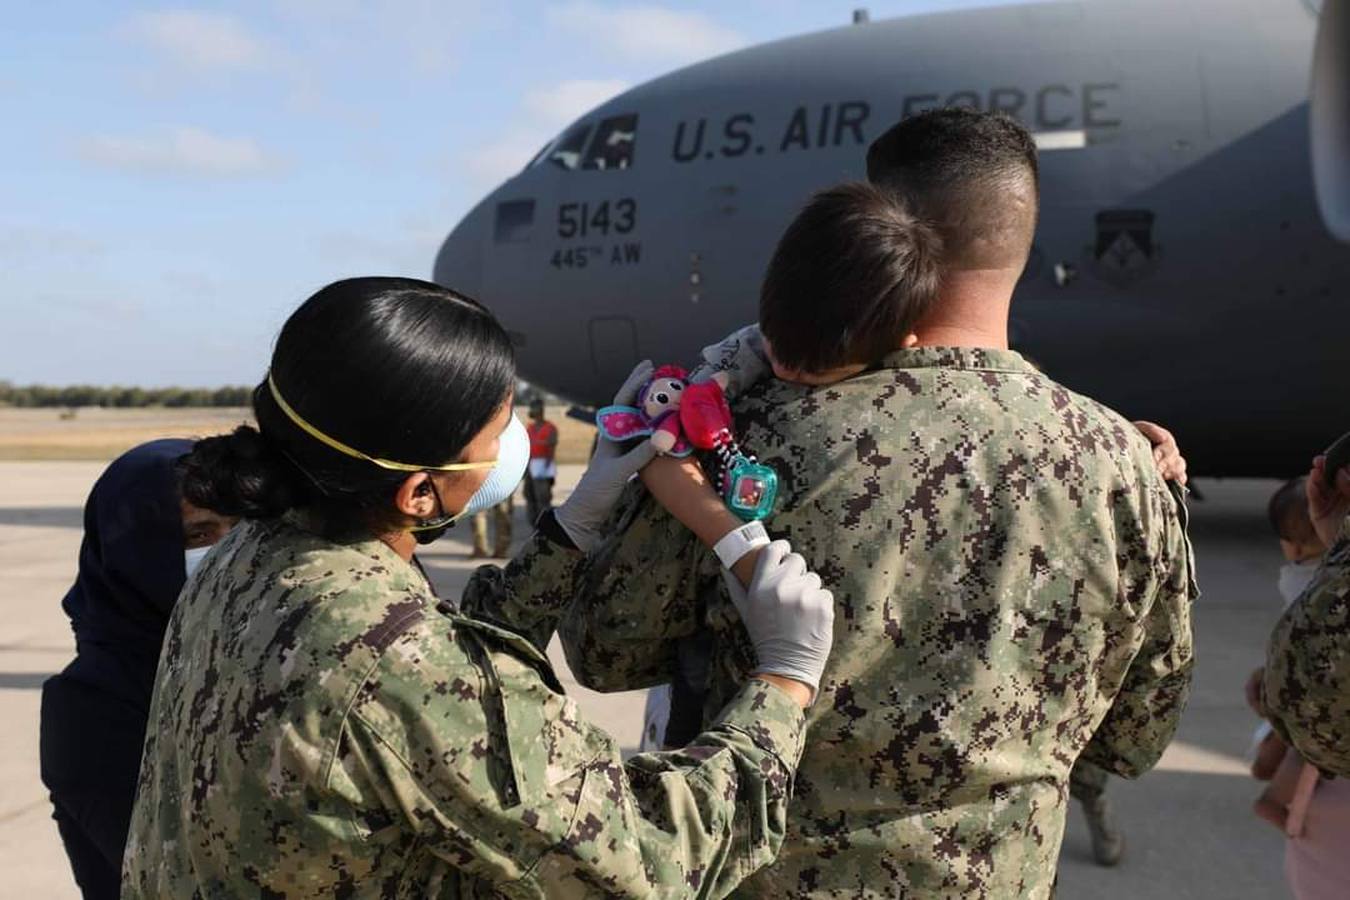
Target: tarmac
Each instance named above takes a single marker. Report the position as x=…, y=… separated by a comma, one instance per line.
x=1189, y=827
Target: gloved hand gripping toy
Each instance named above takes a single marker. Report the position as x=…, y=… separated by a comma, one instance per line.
x=680, y=417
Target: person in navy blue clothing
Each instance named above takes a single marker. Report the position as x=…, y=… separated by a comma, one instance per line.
x=140, y=541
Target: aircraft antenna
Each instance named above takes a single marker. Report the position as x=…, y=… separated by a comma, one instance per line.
x=861, y=16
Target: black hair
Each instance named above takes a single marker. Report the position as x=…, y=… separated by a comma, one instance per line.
x=851, y=275
x=1288, y=512
x=972, y=174
x=397, y=368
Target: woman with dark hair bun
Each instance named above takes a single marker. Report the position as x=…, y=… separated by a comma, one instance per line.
x=325, y=726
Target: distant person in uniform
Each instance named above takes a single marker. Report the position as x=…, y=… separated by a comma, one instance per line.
x=1012, y=574
x=141, y=541
x=499, y=518
x=326, y=727
x=1304, y=692
x=543, y=465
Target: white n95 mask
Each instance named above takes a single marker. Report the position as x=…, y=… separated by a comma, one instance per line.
x=192, y=558
x=1295, y=578
x=513, y=458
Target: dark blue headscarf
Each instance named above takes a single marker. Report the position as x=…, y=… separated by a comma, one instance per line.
x=131, y=571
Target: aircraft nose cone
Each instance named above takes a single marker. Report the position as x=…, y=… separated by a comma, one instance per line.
x=459, y=264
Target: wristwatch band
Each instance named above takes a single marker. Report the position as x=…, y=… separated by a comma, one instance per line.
x=737, y=543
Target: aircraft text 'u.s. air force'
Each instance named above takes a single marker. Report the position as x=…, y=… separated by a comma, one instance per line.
x=1051, y=107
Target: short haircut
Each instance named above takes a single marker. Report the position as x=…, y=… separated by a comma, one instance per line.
x=1288, y=511
x=851, y=276
x=973, y=174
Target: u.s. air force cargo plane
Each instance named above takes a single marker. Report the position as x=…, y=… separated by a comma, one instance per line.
x=1190, y=267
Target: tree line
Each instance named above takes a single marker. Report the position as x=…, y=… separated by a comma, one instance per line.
x=117, y=397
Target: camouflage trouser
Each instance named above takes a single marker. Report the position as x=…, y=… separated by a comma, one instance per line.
x=501, y=526
x=1086, y=781
x=538, y=497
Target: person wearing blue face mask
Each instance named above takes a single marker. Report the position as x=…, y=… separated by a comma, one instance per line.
x=141, y=541
x=327, y=726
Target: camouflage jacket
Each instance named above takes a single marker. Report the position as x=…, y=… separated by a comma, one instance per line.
x=1307, y=682
x=1013, y=579
x=325, y=729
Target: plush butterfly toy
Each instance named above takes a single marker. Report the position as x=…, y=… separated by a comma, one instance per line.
x=680, y=417
x=657, y=414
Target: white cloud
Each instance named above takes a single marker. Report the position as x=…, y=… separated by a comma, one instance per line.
x=180, y=151
x=408, y=251
x=647, y=33
x=199, y=40
x=103, y=307
x=561, y=103
x=424, y=36
x=21, y=244
x=492, y=163
x=544, y=111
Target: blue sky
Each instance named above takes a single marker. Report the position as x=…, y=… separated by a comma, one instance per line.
x=175, y=179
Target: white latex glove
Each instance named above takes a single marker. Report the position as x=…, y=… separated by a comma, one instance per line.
x=584, y=514
x=739, y=357
x=789, y=615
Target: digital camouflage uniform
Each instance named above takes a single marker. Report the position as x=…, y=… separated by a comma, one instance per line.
x=1012, y=579
x=1307, y=683
x=324, y=729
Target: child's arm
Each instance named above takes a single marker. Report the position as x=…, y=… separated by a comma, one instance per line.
x=1284, y=802
x=667, y=434
x=681, y=487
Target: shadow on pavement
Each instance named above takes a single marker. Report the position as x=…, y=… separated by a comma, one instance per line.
x=47, y=516
x=23, y=681
x=1187, y=835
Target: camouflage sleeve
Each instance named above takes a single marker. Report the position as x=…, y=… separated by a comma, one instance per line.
x=638, y=597
x=466, y=743
x=1307, y=683
x=1144, y=716
x=529, y=593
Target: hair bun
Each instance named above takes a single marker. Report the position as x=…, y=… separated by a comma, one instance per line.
x=240, y=474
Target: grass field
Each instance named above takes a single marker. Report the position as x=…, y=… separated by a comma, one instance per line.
x=98, y=434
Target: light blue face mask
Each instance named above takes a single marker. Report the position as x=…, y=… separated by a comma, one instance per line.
x=513, y=458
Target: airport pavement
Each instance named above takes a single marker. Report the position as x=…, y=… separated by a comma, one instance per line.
x=1189, y=827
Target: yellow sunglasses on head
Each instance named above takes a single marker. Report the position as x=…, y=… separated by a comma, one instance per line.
x=357, y=454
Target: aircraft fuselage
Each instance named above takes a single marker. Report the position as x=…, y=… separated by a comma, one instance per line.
x=1182, y=271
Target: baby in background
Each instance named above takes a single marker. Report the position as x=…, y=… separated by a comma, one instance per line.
x=1284, y=802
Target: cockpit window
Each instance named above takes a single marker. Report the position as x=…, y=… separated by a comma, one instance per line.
x=566, y=153
x=612, y=146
